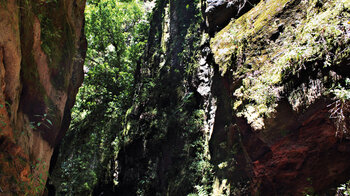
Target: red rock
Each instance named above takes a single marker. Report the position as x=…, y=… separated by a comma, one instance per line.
x=29, y=89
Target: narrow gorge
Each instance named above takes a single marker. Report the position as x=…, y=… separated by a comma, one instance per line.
x=175, y=97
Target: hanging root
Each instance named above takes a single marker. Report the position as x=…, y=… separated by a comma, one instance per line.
x=340, y=113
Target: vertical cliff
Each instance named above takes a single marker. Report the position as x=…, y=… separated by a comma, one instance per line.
x=229, y=98
x=165, y=150
x=279, y=87
x=287, y=69
x=42, y=50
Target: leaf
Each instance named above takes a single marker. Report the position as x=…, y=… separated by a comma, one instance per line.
x=49, y=121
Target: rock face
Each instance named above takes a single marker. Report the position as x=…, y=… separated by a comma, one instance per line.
x=168, y=128
x=263, y=109
x=306, y=161
x=284, y=68
x=270, y=123
x=220, y=12
x=42, y=49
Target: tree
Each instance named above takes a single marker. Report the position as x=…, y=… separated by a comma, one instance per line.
x=116, y=32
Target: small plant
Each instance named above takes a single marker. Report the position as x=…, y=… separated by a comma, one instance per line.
x=309, y=190
x=43, y=121
x=37, y=181
x=343, y=190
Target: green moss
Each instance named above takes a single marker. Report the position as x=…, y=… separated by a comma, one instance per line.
x=166, y=29
x=231, y=41
x=3, y=4
x=310, y=33
x=29, y=70
x=57, y=39
x=172, y=112
x=342, y=92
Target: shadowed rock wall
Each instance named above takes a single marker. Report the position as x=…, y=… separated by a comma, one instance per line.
x=263, y=109
x=42, y=50
x=284, y=64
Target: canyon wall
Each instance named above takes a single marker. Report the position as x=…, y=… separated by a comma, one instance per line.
x=273, y=89
x=234, y=98
x=42, y=50
x=286, y=69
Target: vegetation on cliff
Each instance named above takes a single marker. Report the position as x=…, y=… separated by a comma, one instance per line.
x=165, y=148
x=288, y=66
x=42, y=49
x=267, y=47
x=138, y=121
x=116, y=33
x=156, y=87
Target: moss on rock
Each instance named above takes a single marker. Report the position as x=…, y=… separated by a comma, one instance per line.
x=278, y=40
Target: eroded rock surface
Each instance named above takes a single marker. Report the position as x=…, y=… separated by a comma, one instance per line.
x=220, y=12
x=311, y=159
x=285, y=67
x=267, y=111
x=42, y=49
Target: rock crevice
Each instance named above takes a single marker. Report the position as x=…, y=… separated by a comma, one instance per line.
x=32, y=105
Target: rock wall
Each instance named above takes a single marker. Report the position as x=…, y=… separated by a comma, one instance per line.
x=220, y=12
x=255, y=103
x=168, y=127
x=42, y=50
x=284, y=64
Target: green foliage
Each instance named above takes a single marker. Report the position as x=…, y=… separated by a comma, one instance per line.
x=166, y=112
x=313, y=43
x=116, y=35
x=114, y=31
x=339, y=110
x=340, y=92
x=343, y=189
x=309, y=190
x=43, y=121
x=36, y=183
x=136, y=95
